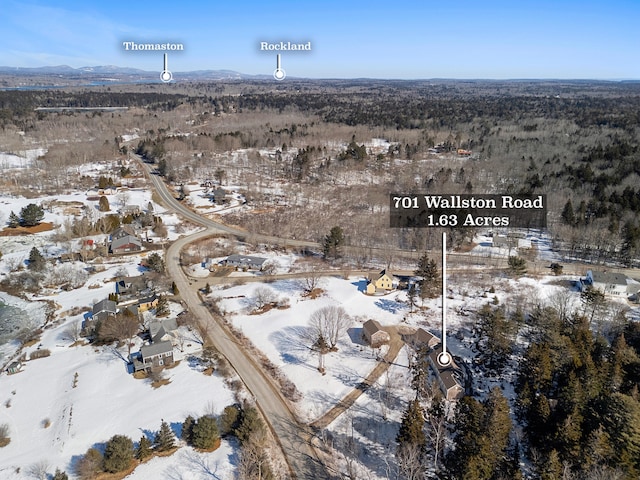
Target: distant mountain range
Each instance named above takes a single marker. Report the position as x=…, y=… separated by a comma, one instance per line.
x=115, y=73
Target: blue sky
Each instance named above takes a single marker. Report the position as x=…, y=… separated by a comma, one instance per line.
x=382, y=39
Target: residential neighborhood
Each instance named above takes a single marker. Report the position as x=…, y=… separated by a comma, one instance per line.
x=211, y=274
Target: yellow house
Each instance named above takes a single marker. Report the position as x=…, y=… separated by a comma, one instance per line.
x=381, y=283
x=148, y=303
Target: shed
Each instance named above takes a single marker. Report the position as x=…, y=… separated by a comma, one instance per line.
x=374, y=335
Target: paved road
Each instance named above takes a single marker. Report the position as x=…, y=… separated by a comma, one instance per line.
x=294, y=437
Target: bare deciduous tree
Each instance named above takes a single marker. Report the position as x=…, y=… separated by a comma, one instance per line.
x=410, y=464
x=329, y=322
x=263, y=296
x=124, y=326
x=254, y=461
x=73, y=331
x=38, y=470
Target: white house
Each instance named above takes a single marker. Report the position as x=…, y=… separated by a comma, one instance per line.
x=610, y=283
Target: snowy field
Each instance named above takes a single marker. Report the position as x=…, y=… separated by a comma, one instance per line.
x=10, y=161
x=87, y=396
x=280, y=334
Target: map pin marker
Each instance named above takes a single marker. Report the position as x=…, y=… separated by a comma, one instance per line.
x=166, y=76
x=444, y=358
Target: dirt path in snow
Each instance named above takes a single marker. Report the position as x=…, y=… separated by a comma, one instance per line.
x=348, y=400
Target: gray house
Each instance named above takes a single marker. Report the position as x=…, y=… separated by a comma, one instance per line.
x=133, y=286
x=123, y=231
x=162, y=330
x=154, y=357
x=128, y=243
x=447, y=377
x=104, y=310
x=245, y=262
x=610, y=283
x=421, y=338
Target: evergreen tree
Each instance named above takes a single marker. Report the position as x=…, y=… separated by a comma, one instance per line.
x=429, y=283
x=118, y=454
x=187, y=429
x=60, y=475
x=250, y=425
x=412, y=425
x=517, y=265
x=37, y=262
x=31, y=215
x=162, y=167
x=420, y=373
x=205, y=433
x=154, y=262
x=497, y=333
x=162, y=308
x=143, y=450
x=567, y=215
x=551, y=468
x=229, y=419
x=164, y=440
x=14, y=220
x=333, y=242
x=482, y=437
x=103, y=204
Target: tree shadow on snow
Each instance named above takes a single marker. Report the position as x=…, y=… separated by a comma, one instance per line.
x=361, y=284
x=390, y=306
x=292, y=343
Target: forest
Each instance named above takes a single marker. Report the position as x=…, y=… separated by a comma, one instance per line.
x=317, y=160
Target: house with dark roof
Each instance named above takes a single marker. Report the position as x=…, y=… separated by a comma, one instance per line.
x=123, y=231
x=374, y=335
x=128, y=243
x=154, y=357
x=245, y=262
x=219, y=196
x=133, y=286
x=448, y=377
x=148, y=303
x=104, y=310
x=421, y=339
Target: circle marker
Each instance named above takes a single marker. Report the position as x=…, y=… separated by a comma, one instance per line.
x=279, y=73
x=444, y=359
x=166, y=76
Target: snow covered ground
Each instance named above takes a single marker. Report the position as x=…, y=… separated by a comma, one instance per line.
x=87, y=396
x=106, y=399
x=23, y=160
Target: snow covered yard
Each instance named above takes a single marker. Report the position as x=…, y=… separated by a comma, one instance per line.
x=80, y=396
x=283, y=335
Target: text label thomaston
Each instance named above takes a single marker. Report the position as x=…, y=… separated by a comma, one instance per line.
x=153, y=46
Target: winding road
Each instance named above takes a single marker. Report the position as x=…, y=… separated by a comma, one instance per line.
x=295, y=438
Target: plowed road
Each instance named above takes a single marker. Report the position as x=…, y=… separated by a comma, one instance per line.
x=295, y=438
